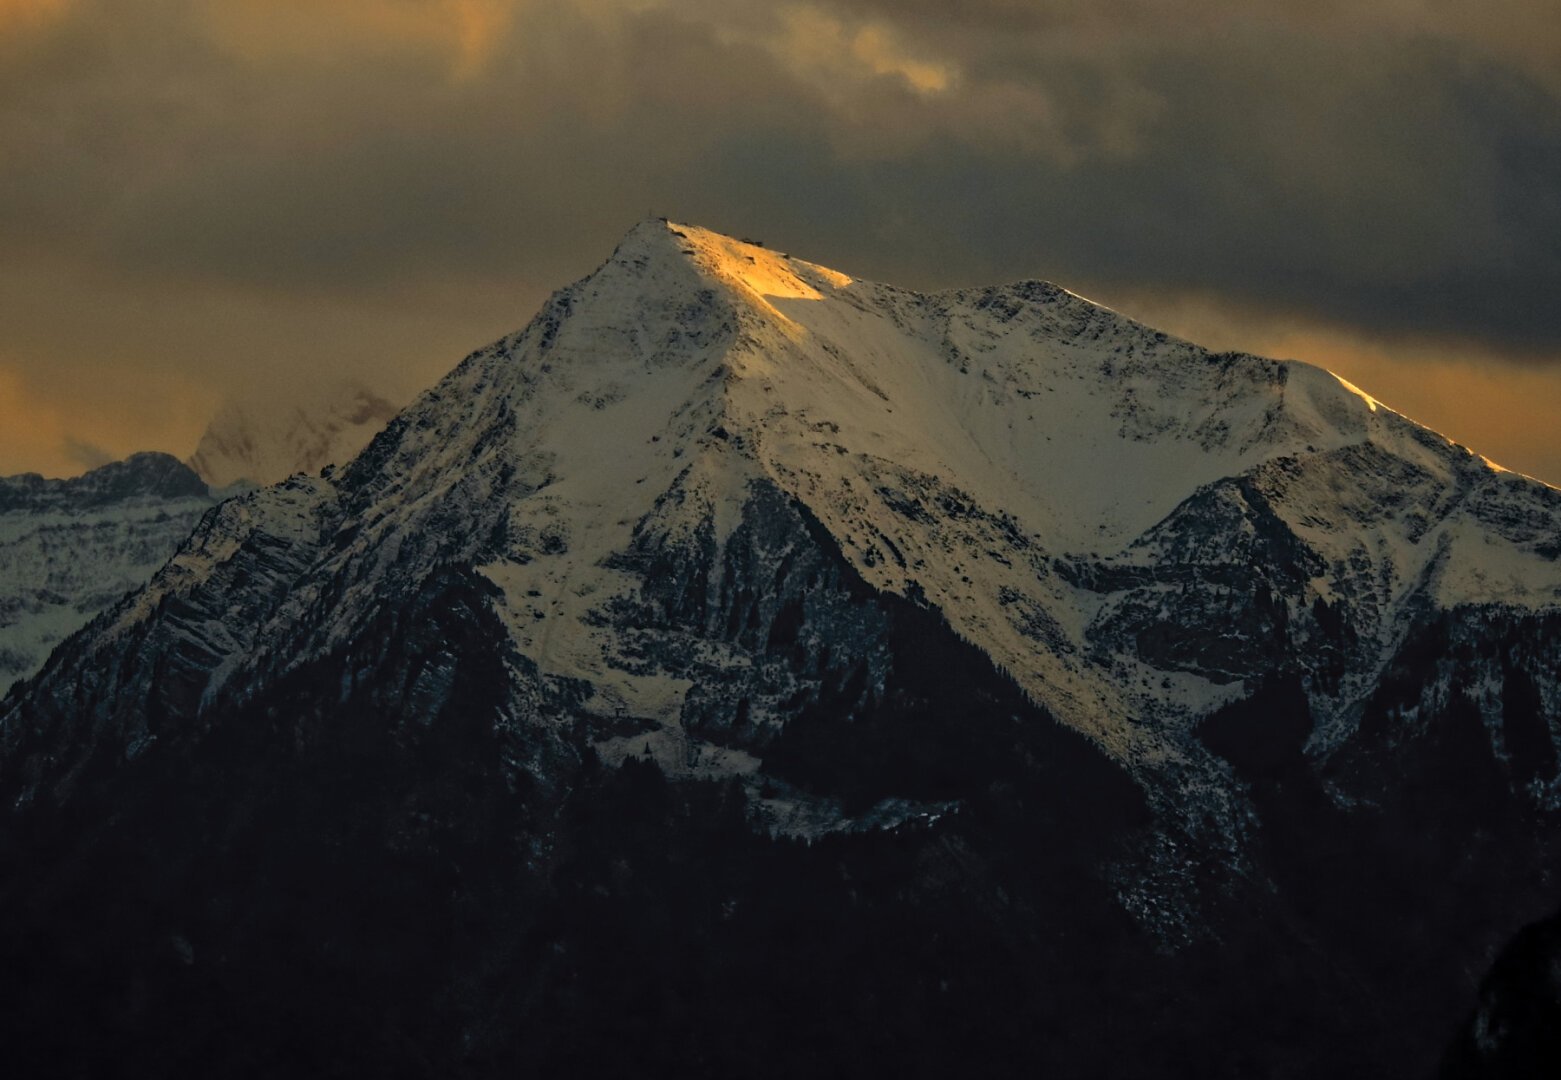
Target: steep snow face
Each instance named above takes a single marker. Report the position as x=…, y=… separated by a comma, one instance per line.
x=1135, y=529
x=1056, y=479
x=258, y=444
x=69, y=548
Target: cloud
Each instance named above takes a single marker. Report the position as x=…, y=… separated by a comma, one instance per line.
x=462, y=34
x=821, y=47
x=59, y=418
x=87, y=455
x=1393, y=181
x=29, y=429
x=208, y=182
x=22, y=15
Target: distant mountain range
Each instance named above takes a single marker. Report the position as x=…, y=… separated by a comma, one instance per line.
x=750, y=670
x=69, y=548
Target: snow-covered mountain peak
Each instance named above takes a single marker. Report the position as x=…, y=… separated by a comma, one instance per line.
x=1119, y=656
x=1133, y=527
x=1022, y=459
x=1087, y=424
x=963, y=445
x=743, y=264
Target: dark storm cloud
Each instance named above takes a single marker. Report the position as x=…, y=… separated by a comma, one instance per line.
x=304, y=174
x=180, y=159
x=1402, y=190
x=1395, y=181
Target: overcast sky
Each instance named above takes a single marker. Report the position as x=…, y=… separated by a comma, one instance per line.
x=211, y=198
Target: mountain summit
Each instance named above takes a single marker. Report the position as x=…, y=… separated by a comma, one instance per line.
x=1067, y=645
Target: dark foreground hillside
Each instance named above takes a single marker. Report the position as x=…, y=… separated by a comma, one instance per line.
x=317, y=887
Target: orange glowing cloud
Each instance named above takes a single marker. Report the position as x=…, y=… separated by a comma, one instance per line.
x=822, y=47
x=479, y=26
x=464, y=33
x=32, y=432
x=22, y=14
x=63, y=430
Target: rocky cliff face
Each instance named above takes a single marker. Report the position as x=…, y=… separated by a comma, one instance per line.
x=1076, y=654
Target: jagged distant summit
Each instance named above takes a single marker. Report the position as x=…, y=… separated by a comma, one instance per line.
x=1138, y=657
x=145, y=475
x=264, y=442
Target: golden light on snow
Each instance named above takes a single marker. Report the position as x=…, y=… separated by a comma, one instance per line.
x=1371, y=402
x=1504, y=410
x=756, y=268
x=768, y=278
